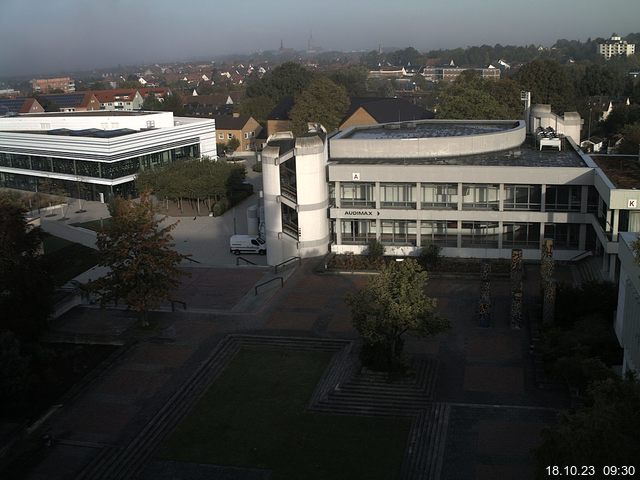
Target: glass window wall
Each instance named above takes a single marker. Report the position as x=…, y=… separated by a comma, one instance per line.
x=357, y=195
x=480, y=197
x=563, y=198
x=397, y=195
x=480, y=234
x=398, y=232
x=439, y=195
x=357, y=232
x=522, y=197
x=443, y=233
x=521, y=235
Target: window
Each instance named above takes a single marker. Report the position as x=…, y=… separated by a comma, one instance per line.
x=521, y=235
x=357, y=195
x=397, y=195
x=564, y=235
x=563, y=198
x=480, y=234
x=441, y=232
x=522, y=197
x=246, y=135
x=151, y=123
x=229, y=136
x=221, y=136
x=398, y=232
x=479, y=197
x=290, y=221
x=357, y=232
x=439, y=195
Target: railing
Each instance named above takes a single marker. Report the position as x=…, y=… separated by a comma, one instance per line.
x=244, y=260
x=192, y=260
x=581, y=256
x=255, y=289
x=282, y=264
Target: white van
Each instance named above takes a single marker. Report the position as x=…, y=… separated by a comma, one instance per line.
x=247, y=244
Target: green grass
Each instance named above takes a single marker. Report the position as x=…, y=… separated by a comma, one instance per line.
x=254, y=416
x=65, y=260
x=94, y=225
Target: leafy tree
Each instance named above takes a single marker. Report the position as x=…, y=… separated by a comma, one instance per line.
x=284, y=80
x=429, y=256
x=257, y=107
x=390, y=305
x=26, y=289
x=548, y=83
x=232, y=145
x=471, y=97
x=604, y=432
x=323, y=102
x=353, y=79
x=14, y=367
x=631, y=139
x=140, y=255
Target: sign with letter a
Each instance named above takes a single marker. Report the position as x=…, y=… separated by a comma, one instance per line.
x=355, y=177
x=632, y=203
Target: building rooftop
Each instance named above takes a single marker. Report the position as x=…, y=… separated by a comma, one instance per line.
x=526, y=155
x=432, y=129
x=622, y=170
x=93, y=113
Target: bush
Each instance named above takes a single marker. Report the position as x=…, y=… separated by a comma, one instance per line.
x=429, y=256
x=220, y=207
x=375, y=249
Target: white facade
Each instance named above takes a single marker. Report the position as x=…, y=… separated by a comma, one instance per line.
x=102, y=151
x=627, y=323
x=616, y=46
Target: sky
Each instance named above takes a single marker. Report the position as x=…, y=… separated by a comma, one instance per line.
x=48, y=36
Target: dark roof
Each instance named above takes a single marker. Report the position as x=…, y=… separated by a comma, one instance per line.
x=229, y=122
x=11, y=105
x=282, y=109
x=66, y=100
x=386, y=110
x=91, y=132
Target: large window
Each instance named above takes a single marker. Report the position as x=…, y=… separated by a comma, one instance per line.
x=522, y=197
x=480, y=197
x=563, y=198
x=121, y=168
x=357, y=231
x=357, y=195
x=87, y=169
x=565, y=235
x=480, y=234
x=398, y=232
x=439, y=195
x=397, y=195
x=521, y=235
x=442, y=233
x=63, y=165
x=290, y=221
x=288, y=180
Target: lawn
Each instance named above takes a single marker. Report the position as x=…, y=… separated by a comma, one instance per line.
x=65, y=260
x=254, y=416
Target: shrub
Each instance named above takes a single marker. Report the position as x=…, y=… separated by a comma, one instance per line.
x=375, y=249
x=220, y=207
x=429, y=256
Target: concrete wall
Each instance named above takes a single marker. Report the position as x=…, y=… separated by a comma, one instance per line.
x=78, y=121
x=569, y=124
x=627, y=321
x=342, y=146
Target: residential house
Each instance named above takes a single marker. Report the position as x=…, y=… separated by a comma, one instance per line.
x=376, y=110
x=12, y=106
x=123, y=99
x=73, y=102
x=242, y=127
x=46, y=85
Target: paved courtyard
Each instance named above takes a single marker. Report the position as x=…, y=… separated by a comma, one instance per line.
x=484, y=375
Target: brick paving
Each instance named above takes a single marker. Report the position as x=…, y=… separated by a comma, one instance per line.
x=479, y=368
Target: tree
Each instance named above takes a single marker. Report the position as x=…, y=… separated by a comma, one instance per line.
x=139, y=253
x=631, y=139
x=390, y=305
x=323, y=102
x=604, y=432
x=232, y=145
x=26, y=288
x=548, y=83
x=257, y=107
x=353, y=79
x=284, y=80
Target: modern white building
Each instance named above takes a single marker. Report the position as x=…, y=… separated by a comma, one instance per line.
x=96, y=154
x=627, y=325
x=475, y=188
x=616, y=46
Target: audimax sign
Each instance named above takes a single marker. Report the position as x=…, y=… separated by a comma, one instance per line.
x=361, y=213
